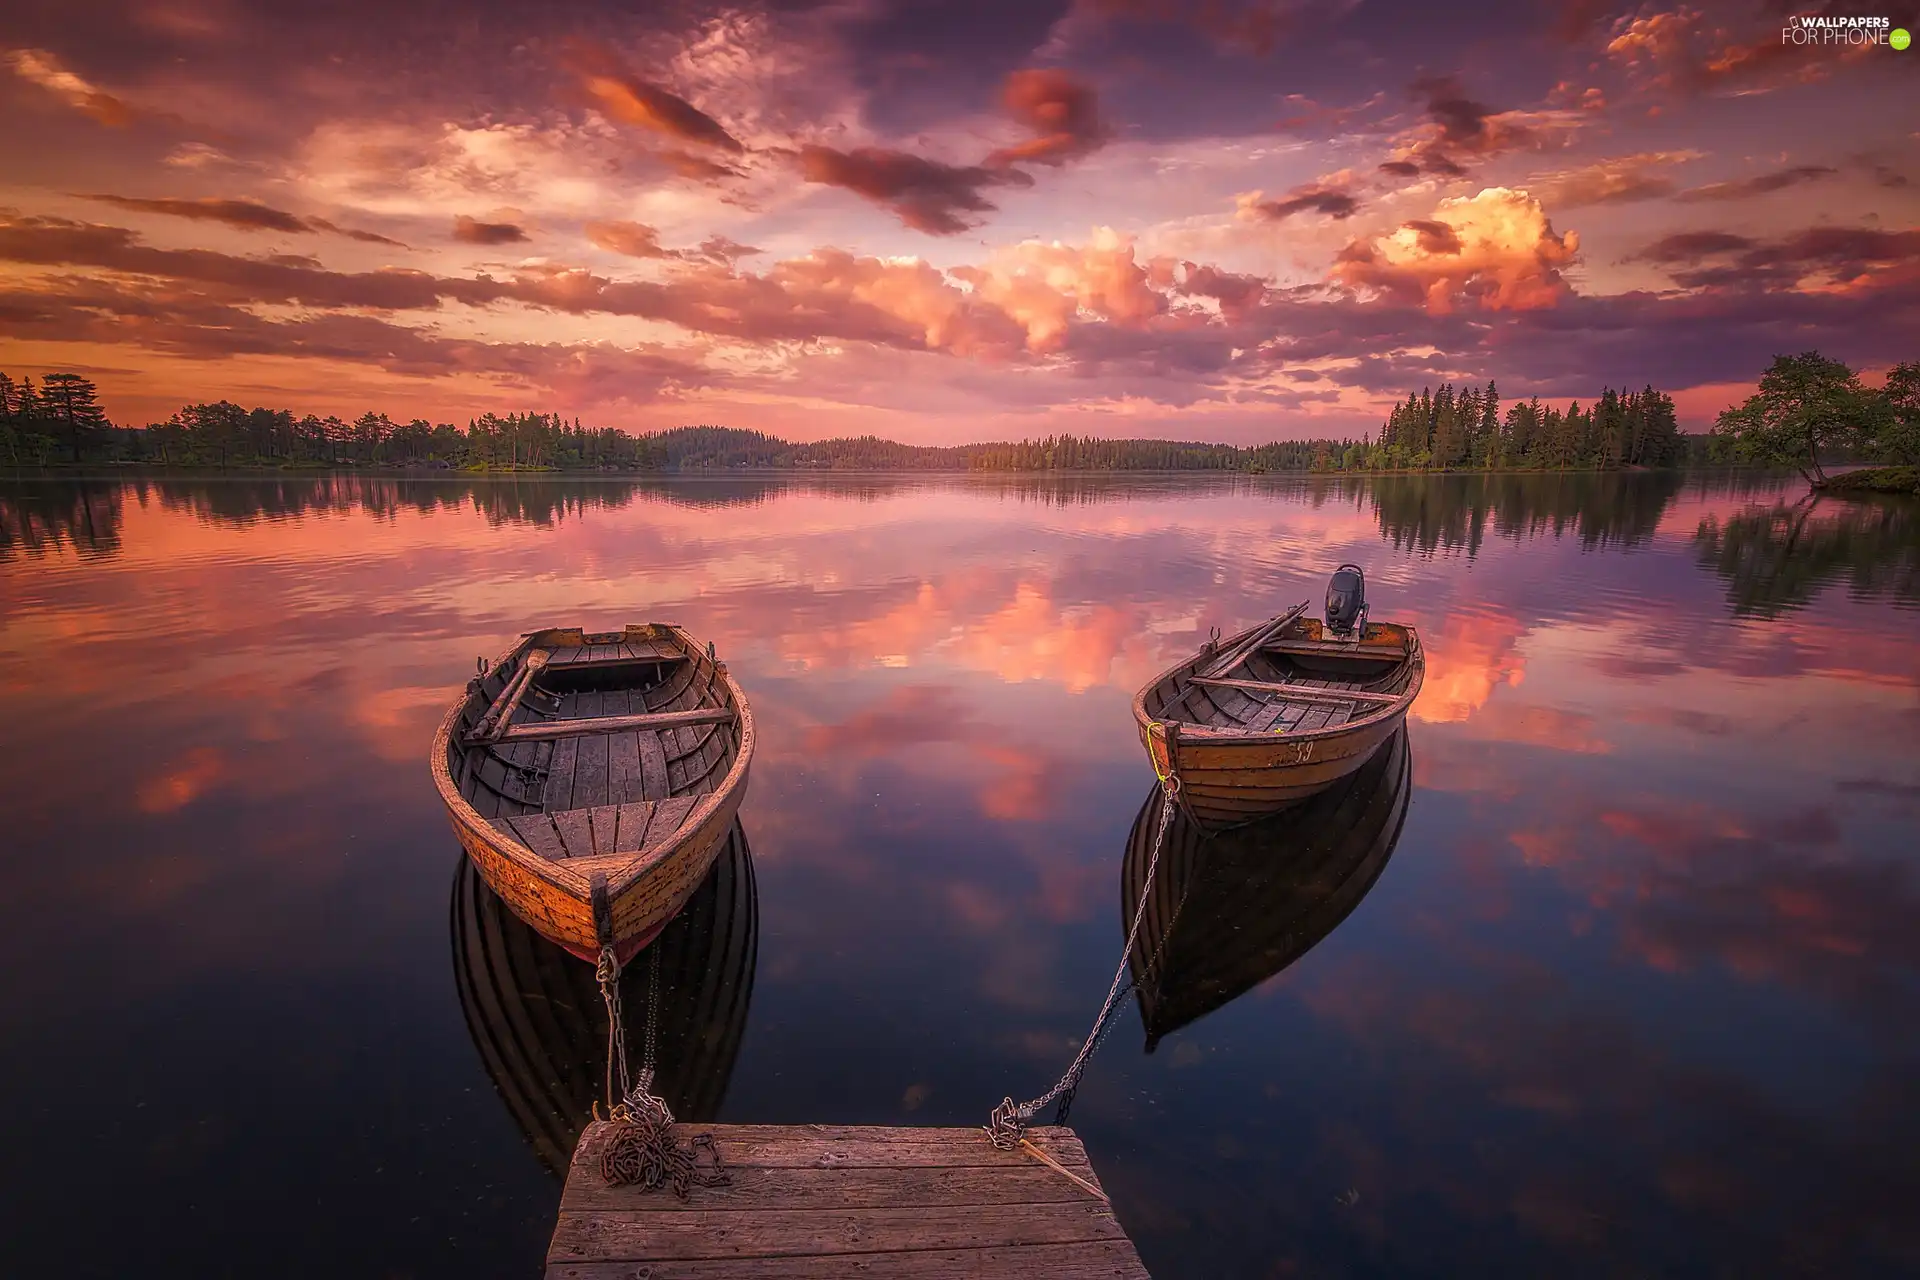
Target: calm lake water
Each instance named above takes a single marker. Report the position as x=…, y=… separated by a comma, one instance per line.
x=1634, y=991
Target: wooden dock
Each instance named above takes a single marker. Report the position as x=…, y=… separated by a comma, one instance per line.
x=817, y=1200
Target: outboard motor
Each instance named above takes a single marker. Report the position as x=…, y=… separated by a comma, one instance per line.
x=1346, y=600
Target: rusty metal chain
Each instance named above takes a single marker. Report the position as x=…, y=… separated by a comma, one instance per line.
x=642, y=1150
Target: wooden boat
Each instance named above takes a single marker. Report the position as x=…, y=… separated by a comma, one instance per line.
x=1227, y=912
x=1280, y=712
x=537, y=1020
x=592, y=778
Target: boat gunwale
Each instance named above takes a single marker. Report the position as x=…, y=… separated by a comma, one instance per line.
x=1204, y=735
x=566, y=879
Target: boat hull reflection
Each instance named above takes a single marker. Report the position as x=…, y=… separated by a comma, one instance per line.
x=1228, y=911
x=536, y=1017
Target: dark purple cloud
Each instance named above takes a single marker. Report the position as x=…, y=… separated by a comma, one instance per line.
x=1435, y=237
x=1462, y=121
x=1778, y=180
x=1335, y=203
x=1690, y=246
x=469, y=231
x=241, y=215
x=1721, y=259
x=926, y=194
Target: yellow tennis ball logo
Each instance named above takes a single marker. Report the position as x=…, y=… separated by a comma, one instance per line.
x=1899, y=38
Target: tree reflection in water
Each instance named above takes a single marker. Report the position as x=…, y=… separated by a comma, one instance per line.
x=1777, y=559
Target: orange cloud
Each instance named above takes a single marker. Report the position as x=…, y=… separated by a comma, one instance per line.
x=636, y=102
x=1044, y=286
x=37, y=66
x=633, y=239
x=1495, y=250
x=1468, y=657
x=1063, y=113
x=190, y=777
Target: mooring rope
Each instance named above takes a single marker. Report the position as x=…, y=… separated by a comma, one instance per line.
x=1008, y=1123
x=643, y=1151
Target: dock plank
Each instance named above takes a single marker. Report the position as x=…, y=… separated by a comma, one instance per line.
x=1091, y=1260
x=819, y=1200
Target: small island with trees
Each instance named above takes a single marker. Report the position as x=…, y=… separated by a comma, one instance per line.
x=1808, y=410
x=1809, y=407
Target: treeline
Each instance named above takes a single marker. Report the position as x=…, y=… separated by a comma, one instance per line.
x=1465, y=429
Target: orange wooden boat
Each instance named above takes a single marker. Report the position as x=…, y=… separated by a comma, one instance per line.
x=593, y=777
x=1256, y=723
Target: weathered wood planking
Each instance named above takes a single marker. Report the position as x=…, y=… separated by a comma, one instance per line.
x=817, y=1200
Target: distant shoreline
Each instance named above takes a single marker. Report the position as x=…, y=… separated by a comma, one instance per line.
x=89, y=470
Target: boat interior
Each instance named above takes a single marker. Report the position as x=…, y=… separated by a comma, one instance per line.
x=1294, y=680
x=581, y=745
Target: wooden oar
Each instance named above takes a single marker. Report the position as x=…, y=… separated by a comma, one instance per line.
x=1254, y=641
x=497, y=715
x=502, y=714
x=1301, y=693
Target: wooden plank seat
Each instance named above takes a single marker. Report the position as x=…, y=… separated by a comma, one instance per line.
x=1368, y=652
x=1295, y=691
x=614, y=724
x=606, y=655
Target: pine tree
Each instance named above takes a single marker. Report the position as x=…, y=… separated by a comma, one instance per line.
x=1488, y=436
x=72, y=404
x=1446, y=443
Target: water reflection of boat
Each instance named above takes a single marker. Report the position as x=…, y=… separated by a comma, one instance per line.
x=593, y=778
x=536, y=1016
x=1263, y=720
x=1228, y=911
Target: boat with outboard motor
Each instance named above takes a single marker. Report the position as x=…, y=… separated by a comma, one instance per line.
x=1262, y=720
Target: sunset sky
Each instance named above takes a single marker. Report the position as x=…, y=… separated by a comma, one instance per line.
x=943, y=222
